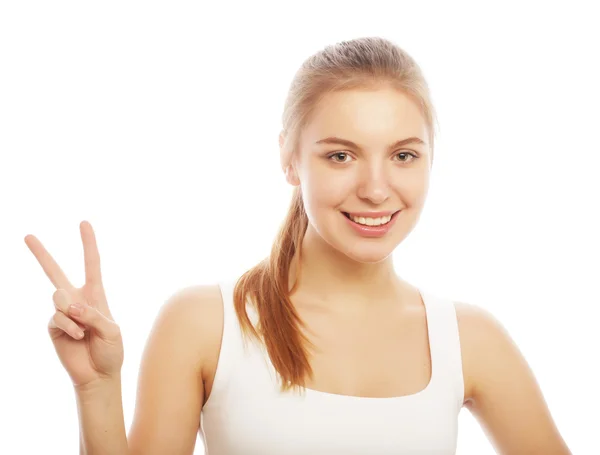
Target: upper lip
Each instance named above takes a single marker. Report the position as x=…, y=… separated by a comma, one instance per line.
x=372, y=214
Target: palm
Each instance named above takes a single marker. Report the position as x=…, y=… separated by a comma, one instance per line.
x=88, y=358
x=95, y=356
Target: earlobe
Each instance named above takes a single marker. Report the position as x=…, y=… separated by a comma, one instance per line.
x=291, y=176
x=286, y=162
x=284, y=155
x=281, y=139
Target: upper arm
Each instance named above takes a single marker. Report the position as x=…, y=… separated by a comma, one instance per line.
x=505, y=398
x=170, y=389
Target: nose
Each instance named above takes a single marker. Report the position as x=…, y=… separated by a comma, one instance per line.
x=374, y=183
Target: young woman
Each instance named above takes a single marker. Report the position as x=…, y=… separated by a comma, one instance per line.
x=321, y=348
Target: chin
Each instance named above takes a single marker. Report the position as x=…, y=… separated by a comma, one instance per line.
x=360, y=249
x=368, y=254
x=365, y=251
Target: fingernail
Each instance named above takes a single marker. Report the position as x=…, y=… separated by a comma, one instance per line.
x=76, y=309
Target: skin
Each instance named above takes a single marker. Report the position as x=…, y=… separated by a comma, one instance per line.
x=359, y=313
x=347, y=286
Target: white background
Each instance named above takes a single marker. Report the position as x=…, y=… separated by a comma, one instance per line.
x=158, y=123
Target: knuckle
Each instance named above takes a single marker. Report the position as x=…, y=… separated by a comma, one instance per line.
x=56, y=321
x=113, y=330
x=86, y=312
x=61, y=300
x=89, y=312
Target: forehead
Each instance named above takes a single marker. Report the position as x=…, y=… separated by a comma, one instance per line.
x=369, y=116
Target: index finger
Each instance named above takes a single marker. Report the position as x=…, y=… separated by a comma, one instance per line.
x=49, y=265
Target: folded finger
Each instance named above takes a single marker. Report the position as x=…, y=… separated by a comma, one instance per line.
x=62, y=301
x=62, y=322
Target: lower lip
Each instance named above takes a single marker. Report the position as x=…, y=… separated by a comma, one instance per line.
x=372, y=231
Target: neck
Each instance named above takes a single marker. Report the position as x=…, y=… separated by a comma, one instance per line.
x=329, y=275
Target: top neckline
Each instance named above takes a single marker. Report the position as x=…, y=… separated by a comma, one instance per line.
x=317, y=394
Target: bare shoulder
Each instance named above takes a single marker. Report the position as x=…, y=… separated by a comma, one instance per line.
x=198, y=310
x=501, y=390
x=474, y=325
x=184, y=342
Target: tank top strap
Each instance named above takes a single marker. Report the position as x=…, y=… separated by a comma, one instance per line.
x=444, y=342
x=231, y=350
x=227, y=288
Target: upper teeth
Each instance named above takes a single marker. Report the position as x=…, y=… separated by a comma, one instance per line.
x=371, y=221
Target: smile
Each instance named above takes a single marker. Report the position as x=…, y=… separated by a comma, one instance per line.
x=368, y=221
x=371, y=226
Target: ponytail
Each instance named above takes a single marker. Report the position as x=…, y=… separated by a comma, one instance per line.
x=267, y=286
x=367, y=62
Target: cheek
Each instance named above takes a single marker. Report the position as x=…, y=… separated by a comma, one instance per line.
x=328, y=190
x=324, y=188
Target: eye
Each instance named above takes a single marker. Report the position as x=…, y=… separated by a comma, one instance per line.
x=342, y=155
x=407, y=154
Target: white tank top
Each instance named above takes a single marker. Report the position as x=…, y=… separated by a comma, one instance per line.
x=247, y=414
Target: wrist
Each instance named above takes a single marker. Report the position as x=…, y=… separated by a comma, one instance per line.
x=98, y=388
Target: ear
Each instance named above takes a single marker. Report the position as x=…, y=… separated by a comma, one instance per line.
x=287, y=164
x=281, y=139
x=291, y=176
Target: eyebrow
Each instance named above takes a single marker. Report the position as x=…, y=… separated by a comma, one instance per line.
x=347, y=143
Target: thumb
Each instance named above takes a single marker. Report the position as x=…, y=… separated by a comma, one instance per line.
x=91, y=317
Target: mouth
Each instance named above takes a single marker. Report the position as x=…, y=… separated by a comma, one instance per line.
x=371, y=221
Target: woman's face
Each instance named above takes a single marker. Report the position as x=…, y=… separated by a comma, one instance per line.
x=372, y=177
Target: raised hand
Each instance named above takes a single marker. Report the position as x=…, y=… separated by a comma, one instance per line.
x=89, y=345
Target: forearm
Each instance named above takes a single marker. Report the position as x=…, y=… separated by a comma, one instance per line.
x=101, y=421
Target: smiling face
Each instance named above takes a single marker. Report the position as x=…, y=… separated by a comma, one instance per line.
x=366, y=171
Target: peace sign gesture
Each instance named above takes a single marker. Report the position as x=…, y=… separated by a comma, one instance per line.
x=88, y=342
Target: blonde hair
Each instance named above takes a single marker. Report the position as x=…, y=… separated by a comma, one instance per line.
x=362, y=63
